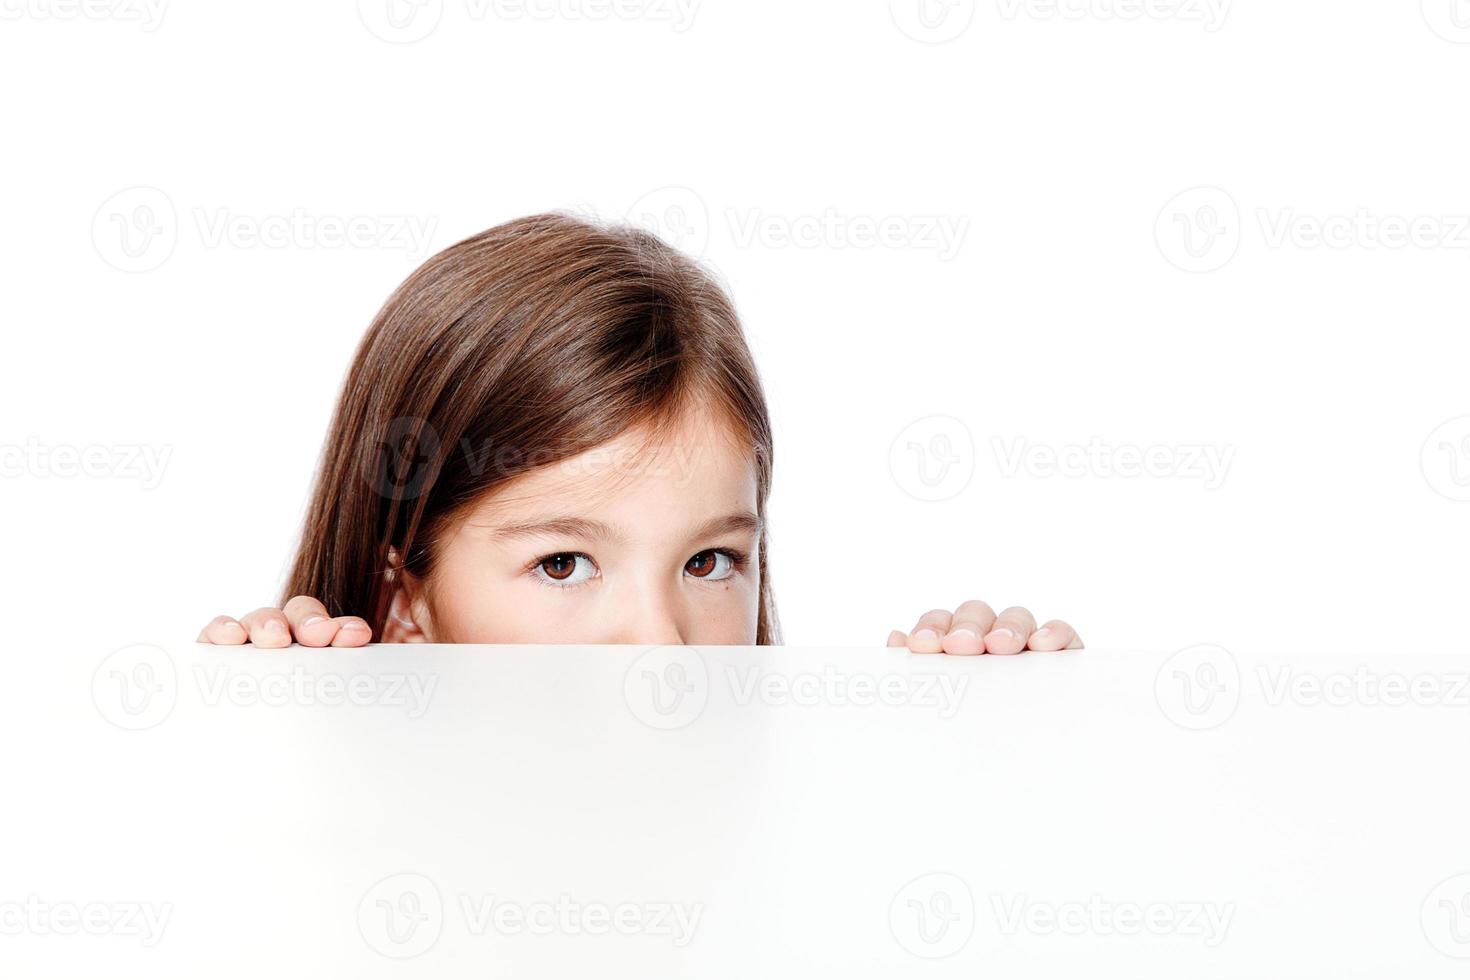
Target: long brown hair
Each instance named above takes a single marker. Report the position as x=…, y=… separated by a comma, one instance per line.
x=522, y=346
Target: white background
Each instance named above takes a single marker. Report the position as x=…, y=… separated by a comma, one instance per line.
x=1057, y=140
x=1134, y=196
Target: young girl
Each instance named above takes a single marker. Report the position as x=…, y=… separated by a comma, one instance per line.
x=553, y=432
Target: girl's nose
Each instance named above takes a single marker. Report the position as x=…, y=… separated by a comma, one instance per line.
x=650, y=618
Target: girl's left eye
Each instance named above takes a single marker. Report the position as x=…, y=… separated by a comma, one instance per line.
x=564, y=569
x=714, y=565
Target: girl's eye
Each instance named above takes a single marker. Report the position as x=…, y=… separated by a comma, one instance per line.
x=565, y=569
x=713, y=565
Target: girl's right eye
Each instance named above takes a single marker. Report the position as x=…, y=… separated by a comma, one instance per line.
x=564, y=569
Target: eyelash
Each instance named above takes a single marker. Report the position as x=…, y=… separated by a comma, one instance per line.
x=738, y=561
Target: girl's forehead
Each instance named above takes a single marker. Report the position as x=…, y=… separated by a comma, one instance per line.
x=695, y=464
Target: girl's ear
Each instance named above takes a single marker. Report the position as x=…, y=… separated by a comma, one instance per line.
x=408, y=611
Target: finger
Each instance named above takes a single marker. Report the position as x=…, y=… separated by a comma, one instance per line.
x=925, y=636
x=1011, y=630
x=352, y=631
x=972, y=620
x=267, y=628
x=309, y=622
x=222, y=630
x=1053, y=635
x=897, y=639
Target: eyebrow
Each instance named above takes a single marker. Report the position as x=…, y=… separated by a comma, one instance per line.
x=582, y=527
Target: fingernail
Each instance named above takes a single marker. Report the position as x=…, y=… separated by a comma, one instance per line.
x=233, y=625
x=1044, y=631
x=963, y=631
x=354, y=625
x=313, y=618
x=275, y=626
x=927, y=633
x=1003, y=631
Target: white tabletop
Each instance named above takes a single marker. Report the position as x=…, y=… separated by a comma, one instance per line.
x=438, y=811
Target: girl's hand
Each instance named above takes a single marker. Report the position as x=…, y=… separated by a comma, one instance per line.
x=304, y=619
x=975, y=628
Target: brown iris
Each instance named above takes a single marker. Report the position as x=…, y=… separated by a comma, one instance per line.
x=701, y=564
x=559, y=567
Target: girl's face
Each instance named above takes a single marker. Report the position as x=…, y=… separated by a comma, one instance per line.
x=631, y=542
